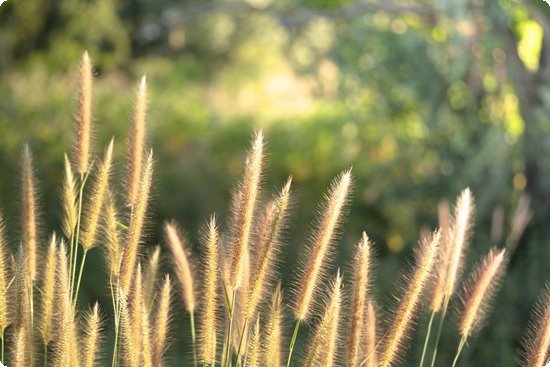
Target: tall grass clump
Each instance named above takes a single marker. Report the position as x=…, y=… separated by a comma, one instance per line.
x=227, y=288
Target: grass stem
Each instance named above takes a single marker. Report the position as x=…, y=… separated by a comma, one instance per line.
x=79, y=278
x=230, y=330
x=459, y=350
x=193, y=339
x=293, y=342
x=426, y=342
x=440, y=327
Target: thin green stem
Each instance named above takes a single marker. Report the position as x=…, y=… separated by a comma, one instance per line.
x=293, y=342
x=116, y=309
x=243, y=331
x=230, y=330
x=440, y=327
x=193, y=339
x=74, y=245
x=459, y=350
x=426, y=342
x=79, y=277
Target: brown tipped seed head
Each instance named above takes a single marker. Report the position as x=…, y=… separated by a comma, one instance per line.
x=271, y=226
x=183, y=266
x=361, y=276
x=48, y=292
x=137, y=222
x=536, y=344
x=245, y=205
x=479, y=290
x=137, y=142
x=70, y=210
x=320, y=246
x=403, y=317
x=92, y=337
x=84, y=118
x=30, y=226
x=460, y=232
x=94, y=206
x=208, y=324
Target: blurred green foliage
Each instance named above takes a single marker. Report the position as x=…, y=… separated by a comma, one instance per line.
x=421, y=98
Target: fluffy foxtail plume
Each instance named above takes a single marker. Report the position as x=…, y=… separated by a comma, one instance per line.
x=20, y=348
x=335, y=201
x=84, y=117
x=445, y=251
x=29, y=214
x=162, y=321
x=371, y=337
x=69, y=201
x=404, y=315
x=137, y=142
x=94, y=206
x=460, y=231
x=130, y=344
x=270, y=230
x=112, y=237
x=146, y=352
x=324, y=347
x=479, y=290
x=92, y=338
x=137, y=222
x=183, y=266
x=255, y=352
x=536, y=344
x=135, y=305
x=66, y=349
x=151, y=275
x=246, y=202
x=207, y=336
x=48, y=292
x=361, y=278
x=5, y=302
x=274, y=329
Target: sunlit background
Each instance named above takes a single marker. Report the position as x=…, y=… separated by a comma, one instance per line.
x=421, y=98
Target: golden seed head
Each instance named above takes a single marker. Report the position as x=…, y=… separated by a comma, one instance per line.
x=48, y=291
x=162, y=322
x=84, y=117
x=70, y=210
x=183, y=266
x=479, y=290
x=30, y=236
x=536, y=344
x=320, y=247
x=137, y=142
x=92, y=337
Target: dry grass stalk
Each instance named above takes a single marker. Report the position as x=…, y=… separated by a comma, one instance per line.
x=137, y=223
x=92, y=338
x=183, y=266
x=323, y=350
x=361, y=278
x=146, y=352
x=478, y=291
x=23, y=314
x=246, y=202
x=66, y=351
x=255, y=352
x=536, y=344
x=444, y=257
x=70, y=210
x=29, y=214
x=92, y=211
x=271, y=227
x=371, y=337
x=333, y=207
x=48, y=292
x=460, y=231
x=151, y=275
x=274, y=329
x=112, y=237
x=84, y=118
x=208, y=319
x=137, y=142
x=5, y=301
x=162, y=321
x=404, y=315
